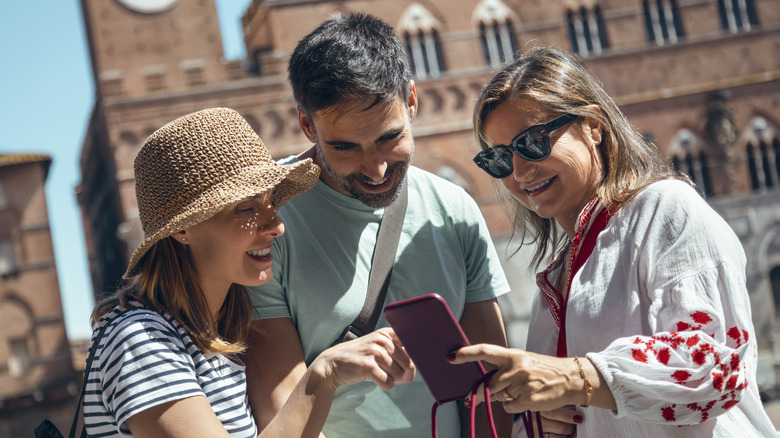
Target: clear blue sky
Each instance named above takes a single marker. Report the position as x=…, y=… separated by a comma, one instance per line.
x=46, y=94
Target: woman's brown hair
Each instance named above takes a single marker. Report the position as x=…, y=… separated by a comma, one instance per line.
x=168, y=284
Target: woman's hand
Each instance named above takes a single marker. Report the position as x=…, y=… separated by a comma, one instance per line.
x=560, y=422
x=378, y=357
x=525, y=380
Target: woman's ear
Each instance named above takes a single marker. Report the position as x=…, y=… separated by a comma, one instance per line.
x=592, y=125
x=181, y=237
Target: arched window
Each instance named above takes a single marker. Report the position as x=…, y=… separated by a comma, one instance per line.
x=662, y=21
x=774, y=278
x=423, y=45
x=498, y=43
x=763, y=155
x=425, y=57
x=586, y=31
x=689, y=158
x=737, y=15
x=497, y=33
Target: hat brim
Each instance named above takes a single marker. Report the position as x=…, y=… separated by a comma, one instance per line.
x=287, y=181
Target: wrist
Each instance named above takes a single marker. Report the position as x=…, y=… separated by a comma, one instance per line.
x=320, y=377
x=585, y=393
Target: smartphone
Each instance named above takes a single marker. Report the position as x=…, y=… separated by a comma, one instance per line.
x=429, y=332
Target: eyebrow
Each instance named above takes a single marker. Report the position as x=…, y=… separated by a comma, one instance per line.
x=387, y=135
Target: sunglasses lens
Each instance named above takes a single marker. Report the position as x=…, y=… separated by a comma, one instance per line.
x=534, y=145
x=496, y=161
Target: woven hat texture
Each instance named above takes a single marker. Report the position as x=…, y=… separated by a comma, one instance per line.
x=193, y=167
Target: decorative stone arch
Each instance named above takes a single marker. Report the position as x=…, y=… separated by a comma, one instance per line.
x=454, y=173
x=458, y=97
x=766, y=259
x=253, y=123
x=20, y=343
x=435, y=99
x=275, y=122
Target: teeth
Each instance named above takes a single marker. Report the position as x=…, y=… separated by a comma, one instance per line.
x=376, y=183
x=538, y=186
x=259, y=252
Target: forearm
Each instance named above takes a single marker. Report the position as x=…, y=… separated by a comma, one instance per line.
x=274, y=366
x=305, y=411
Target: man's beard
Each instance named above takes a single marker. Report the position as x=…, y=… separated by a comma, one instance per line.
x=350, y=183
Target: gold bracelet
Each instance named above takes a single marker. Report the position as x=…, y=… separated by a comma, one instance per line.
x=588, y=388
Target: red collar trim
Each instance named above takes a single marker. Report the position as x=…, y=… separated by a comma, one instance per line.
x=579, y=250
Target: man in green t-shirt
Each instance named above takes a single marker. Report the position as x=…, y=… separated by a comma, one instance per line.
x=356, y=102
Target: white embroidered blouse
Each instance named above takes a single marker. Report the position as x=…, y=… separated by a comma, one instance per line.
x=661, y=308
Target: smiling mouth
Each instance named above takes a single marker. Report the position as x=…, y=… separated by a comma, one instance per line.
x=376, y=183
x=259, y=252
x=537, y=188
x=380, y=186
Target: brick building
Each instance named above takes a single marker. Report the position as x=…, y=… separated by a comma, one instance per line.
x=701, y=78
x=37, y=377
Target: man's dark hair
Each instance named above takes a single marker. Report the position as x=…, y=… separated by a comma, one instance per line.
x=351, y=55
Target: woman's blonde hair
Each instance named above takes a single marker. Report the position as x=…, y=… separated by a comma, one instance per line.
x=560, y=84
x=168, y=283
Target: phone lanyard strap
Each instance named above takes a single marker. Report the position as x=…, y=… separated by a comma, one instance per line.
x=473, y=408
x=528, y=423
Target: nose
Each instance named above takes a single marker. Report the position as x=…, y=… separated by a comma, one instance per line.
x=522, y=169
x=274, y=227
x=375, y=163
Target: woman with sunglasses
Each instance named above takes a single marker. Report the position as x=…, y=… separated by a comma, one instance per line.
x=643, y=312
x=167, y=345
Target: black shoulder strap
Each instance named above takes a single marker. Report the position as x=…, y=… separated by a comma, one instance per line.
x=381, y=268
x=87, y=367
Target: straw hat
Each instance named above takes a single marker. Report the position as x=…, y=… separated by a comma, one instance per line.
x=193, y=167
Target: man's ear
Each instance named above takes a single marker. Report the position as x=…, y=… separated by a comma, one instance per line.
x=412, y=101
x=306, y=126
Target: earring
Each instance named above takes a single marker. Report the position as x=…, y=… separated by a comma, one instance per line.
x=183, y=239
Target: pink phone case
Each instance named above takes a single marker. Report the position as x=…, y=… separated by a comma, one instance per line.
x=429, y=332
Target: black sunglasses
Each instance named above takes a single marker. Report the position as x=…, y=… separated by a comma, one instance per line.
x=533, y=144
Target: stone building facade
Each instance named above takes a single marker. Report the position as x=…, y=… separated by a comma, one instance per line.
x=701, y=78
x=37, y=376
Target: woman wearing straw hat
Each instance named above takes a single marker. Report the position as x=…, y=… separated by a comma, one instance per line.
x=167, y=363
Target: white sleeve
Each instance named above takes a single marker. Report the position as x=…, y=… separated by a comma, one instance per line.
x=696, y=362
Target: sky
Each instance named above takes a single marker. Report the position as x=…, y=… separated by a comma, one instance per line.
x=46, y=95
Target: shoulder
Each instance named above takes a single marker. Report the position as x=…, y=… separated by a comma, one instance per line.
x=135, y=317
x=432, y=189
x=670, y=193
x=425, y=179
x=129, y=327
x=672, y=212
x=667, y=201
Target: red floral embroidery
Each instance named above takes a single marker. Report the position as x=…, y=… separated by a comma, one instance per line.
x=681, y=376
x=717, y=381
x=724, y=379
x=701, y=317
x=668, y=413
x=663, y=356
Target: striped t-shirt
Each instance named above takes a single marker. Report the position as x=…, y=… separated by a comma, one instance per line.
x=145, y=359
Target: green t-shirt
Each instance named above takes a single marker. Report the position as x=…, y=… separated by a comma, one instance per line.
x=321, y=267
